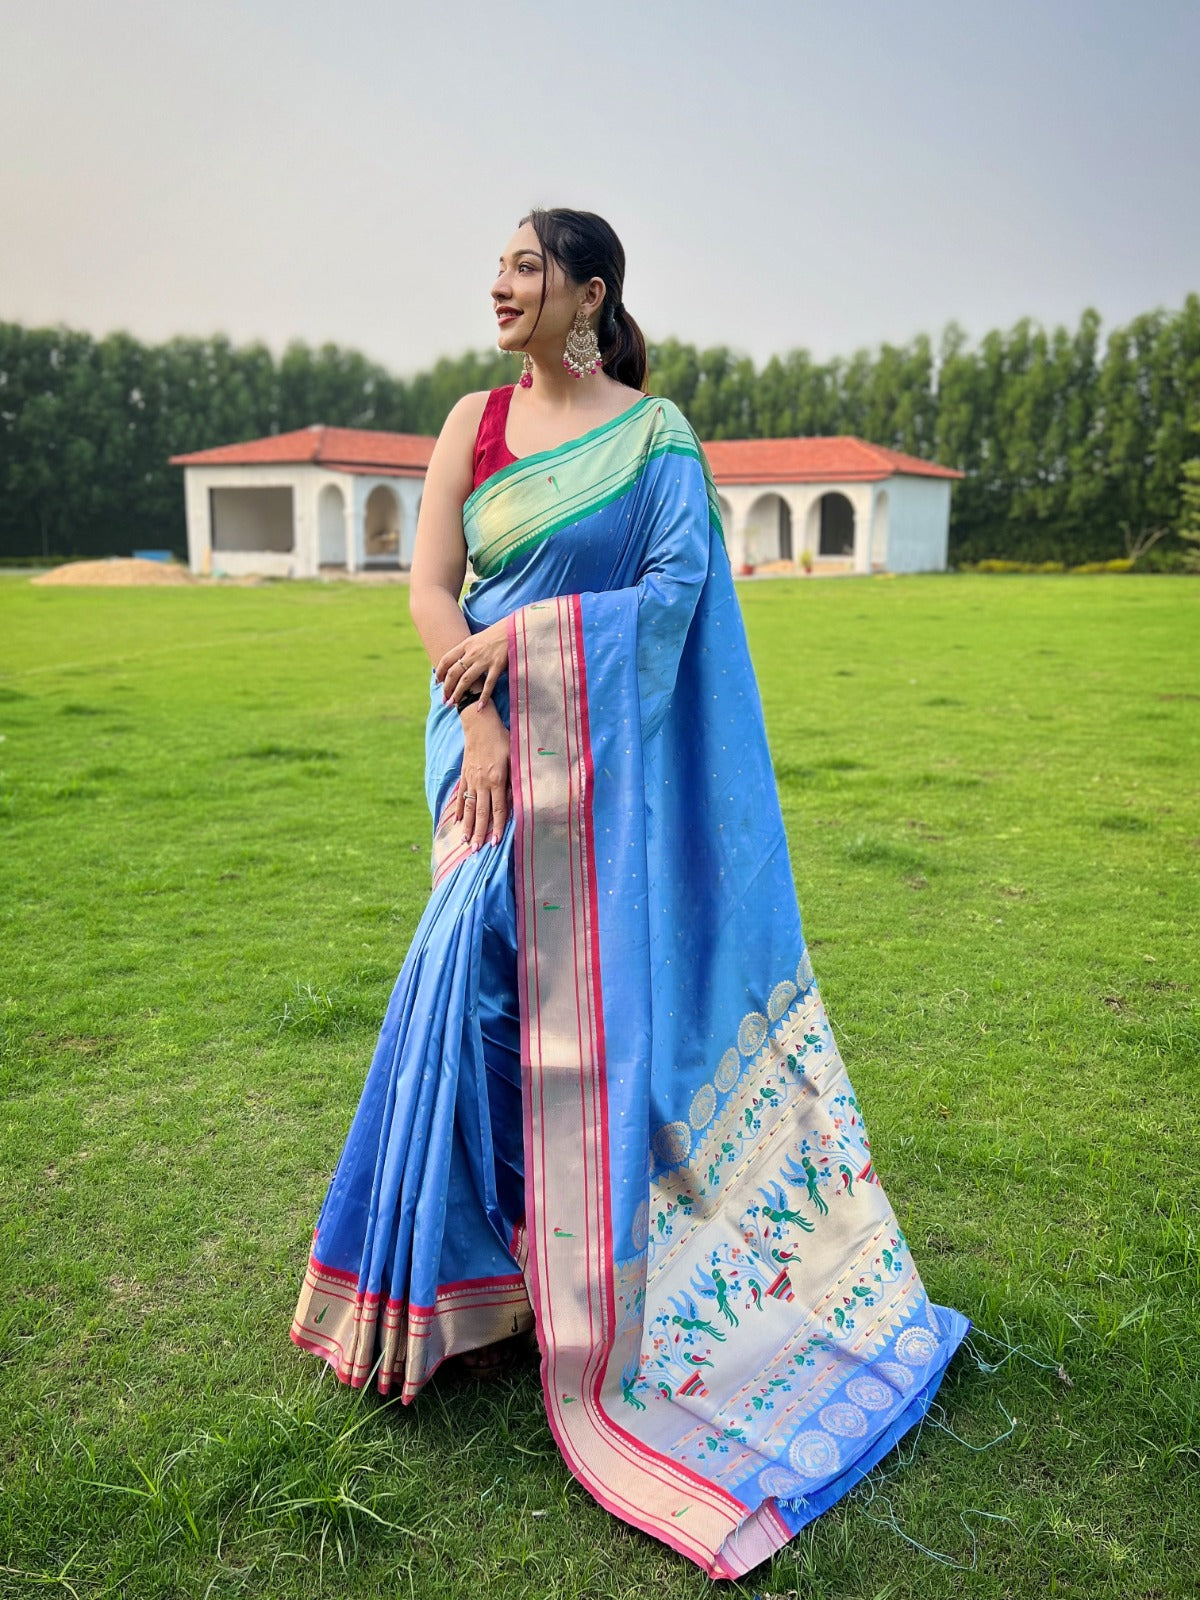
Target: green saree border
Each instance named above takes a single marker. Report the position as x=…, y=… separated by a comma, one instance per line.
x=497, y=479
x=512, y=511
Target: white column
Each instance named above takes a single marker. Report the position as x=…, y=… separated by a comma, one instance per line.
x=304, y=533
x=197, y=506
x=353, y=495
x=863, y=501
x=737, y=534
x=802, y=504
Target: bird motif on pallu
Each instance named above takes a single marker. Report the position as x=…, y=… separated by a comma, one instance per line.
x=861, y=1294
x=674, y=1363
x=739, y=1275
x=629, y=1380
x=775, y=1207
x=687, y=1317
x=665, y=1217
x=727, y=1152
x=891, y=1256
x=766, y=1236
x=764, y=1399
x=805, y=1173
x=712, y=1285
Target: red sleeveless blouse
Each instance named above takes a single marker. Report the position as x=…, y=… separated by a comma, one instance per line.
x=491, y=452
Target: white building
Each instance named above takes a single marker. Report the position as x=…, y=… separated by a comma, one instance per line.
x=851, y=506
x=346, y=499
x=292, y=503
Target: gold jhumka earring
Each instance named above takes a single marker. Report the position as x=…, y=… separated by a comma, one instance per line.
x=582, y=353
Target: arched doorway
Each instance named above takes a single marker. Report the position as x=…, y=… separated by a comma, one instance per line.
x=769, y=530
x=836, y=526
x=381, y=525
x=726, y=514
x=331, y=527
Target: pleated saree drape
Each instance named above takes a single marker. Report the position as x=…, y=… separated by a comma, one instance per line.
x=606, y=1096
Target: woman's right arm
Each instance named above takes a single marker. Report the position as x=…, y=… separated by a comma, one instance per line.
x=439, y=562
x=439, y=566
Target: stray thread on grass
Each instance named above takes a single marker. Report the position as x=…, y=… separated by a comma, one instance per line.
x=943, y=1426
x=1011, y=1349
x=935, y=1555
x=867, y=1491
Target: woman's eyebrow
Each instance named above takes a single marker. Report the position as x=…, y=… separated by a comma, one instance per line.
x=536, y=254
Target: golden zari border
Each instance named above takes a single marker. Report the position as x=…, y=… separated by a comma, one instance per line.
x=585, y=1343
x=357, y=1332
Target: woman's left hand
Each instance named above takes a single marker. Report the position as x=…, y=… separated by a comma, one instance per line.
x=474, y=663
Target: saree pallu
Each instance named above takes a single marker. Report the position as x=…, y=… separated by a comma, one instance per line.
x=606, y=1099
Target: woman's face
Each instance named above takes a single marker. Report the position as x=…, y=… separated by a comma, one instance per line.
x=517, y=292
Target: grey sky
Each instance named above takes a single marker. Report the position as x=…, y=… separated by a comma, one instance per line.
x=781, y=174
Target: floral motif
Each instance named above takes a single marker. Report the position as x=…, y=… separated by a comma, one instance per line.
x=629, y=1289
x=677, y=1353
x=751, y=1035
x=792, y=1068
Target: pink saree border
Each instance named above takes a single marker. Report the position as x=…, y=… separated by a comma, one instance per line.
x=337, y=1321
x=565, y=1110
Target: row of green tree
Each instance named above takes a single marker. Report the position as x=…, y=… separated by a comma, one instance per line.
x=1073, y=447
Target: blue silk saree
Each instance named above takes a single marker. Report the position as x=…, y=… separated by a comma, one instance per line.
x=606, y=1100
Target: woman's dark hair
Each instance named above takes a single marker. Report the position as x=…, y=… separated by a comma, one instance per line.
x=585, y=247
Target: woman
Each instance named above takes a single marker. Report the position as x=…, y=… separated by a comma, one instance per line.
x=606, y=1101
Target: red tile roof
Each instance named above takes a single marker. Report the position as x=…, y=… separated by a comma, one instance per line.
x=341, y=449
x=840, y=458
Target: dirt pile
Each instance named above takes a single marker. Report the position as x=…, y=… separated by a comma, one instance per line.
x=118, y=570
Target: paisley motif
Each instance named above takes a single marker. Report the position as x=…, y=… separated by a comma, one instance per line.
x=639, y=1228
x=805, y=977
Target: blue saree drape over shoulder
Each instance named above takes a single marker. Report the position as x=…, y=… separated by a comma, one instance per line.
x=606, y=1098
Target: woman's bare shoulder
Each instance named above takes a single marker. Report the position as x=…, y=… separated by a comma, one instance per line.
x=467, y=411
x=454, y=447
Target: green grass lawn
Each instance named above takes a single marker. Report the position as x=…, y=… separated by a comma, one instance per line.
x=214, y=849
